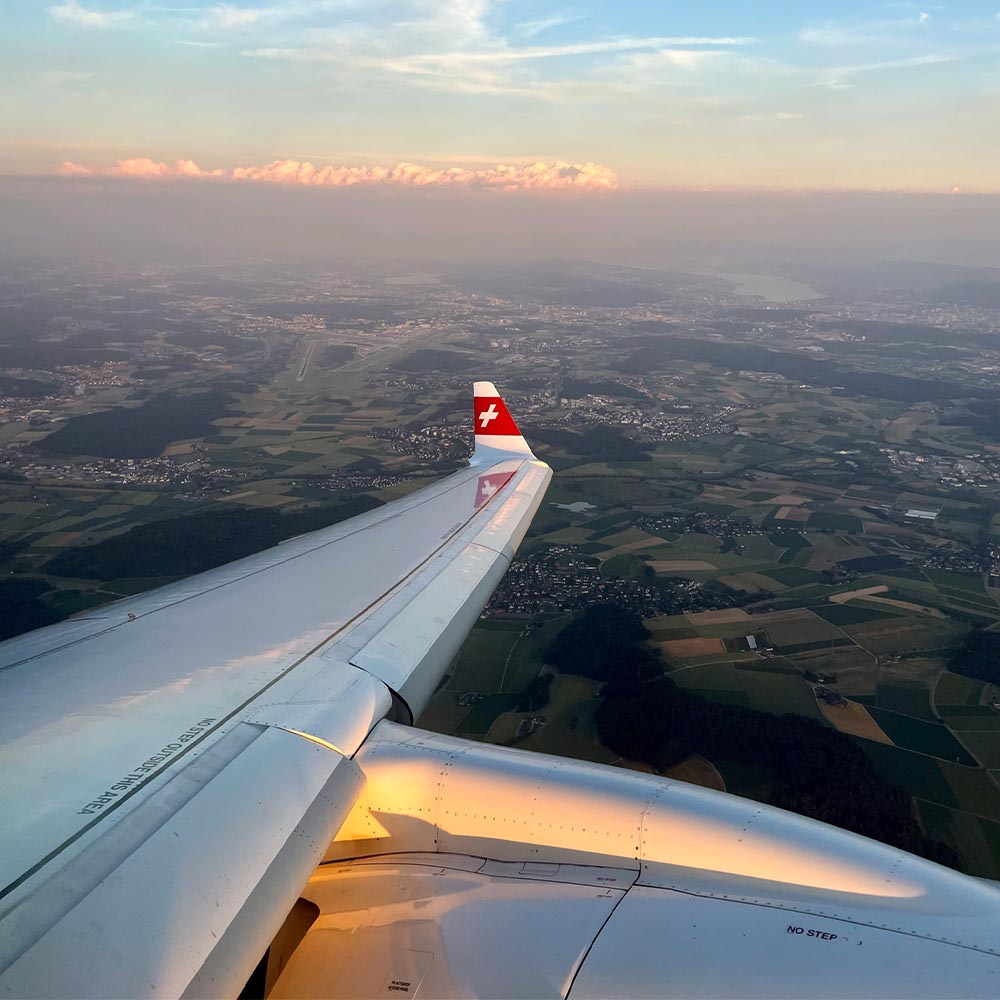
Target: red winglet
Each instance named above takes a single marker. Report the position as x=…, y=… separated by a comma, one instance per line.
x=494, y=426
x=493, y=417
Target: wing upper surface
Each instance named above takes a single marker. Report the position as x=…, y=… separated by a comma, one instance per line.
x=94, y=710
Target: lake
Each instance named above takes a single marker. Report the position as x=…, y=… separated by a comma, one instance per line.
x=771, y=287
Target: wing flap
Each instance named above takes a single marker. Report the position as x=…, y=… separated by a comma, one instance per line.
x=419, y=639
x=146, y=927
x=409, y=654
x=449, y=928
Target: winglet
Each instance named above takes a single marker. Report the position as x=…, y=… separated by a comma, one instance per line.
x=496, y=431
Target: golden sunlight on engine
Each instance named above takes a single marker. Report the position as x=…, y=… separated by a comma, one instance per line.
x=422, y=796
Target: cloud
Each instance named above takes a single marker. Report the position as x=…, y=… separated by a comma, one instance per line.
x=459, y=20
x=780, y=116
x=859, y=31
x=429, y=62
x=556, y=175
x=72, y=12
x=528, y=29
x=499, y=68
x=188, y=168
x=463, y=47
x=70, y=169
x=838, y=77
x=690, y=58
x=228, y=16
x=541, y=175
x=64, y=76
x=141, y=167
x=232, y=15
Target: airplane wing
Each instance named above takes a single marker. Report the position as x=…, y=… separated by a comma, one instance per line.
x=226, y=768
x=177, y=762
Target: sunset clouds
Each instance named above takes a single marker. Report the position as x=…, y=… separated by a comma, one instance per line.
x=829, y=95
x=539, y=176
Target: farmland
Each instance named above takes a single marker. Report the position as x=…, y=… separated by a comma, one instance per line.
x=827, y=587
x=827, y=521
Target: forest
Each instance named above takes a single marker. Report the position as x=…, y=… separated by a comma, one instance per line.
x=814, y=770
x=22, y=608
x=139, y=431
x=796, y=366
x=183, y=545
x=978, y=657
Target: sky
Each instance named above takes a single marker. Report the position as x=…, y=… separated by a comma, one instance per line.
x=594, y=97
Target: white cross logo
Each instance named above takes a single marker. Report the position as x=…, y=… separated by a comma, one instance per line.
x=488, y=489
x=487, y=415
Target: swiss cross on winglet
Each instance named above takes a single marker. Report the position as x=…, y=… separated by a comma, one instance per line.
x=494, y=426
x=490, y=485
x=493, y=417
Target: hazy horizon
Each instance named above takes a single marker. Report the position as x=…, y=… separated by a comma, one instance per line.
x=432, y=131
x=178, y=221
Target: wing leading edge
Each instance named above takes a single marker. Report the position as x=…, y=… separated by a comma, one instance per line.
x=179, y=761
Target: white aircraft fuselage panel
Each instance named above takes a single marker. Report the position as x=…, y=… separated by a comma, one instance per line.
x=721, y=887
x=445, y=930
x=664, y=943
x=454, y=925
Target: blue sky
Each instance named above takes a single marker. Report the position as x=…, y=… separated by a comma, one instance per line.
x=771, y=94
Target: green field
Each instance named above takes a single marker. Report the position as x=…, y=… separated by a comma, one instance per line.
x=794, y=648
x=625, y=566
x=967, y=718
x=929, y=738
x=912, y=701
x=528, y=658
x=974, y=839
x=666, y=634
x=766, y=690
x=946, y=579
x=795, y=576
x=570, y=729
x=804, y=628
x=849, y=614
x=481, y=660
x=483, y=715
x=908, y=635
x=954, y=689
x=827, y=520
x=975, y=791
x=984, y=744
x=919, y=775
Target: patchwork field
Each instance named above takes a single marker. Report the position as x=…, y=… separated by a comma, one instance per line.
x=678, y=565
x=754, y=686
x=855, y=720
x=780, y=517
x=683, y=649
